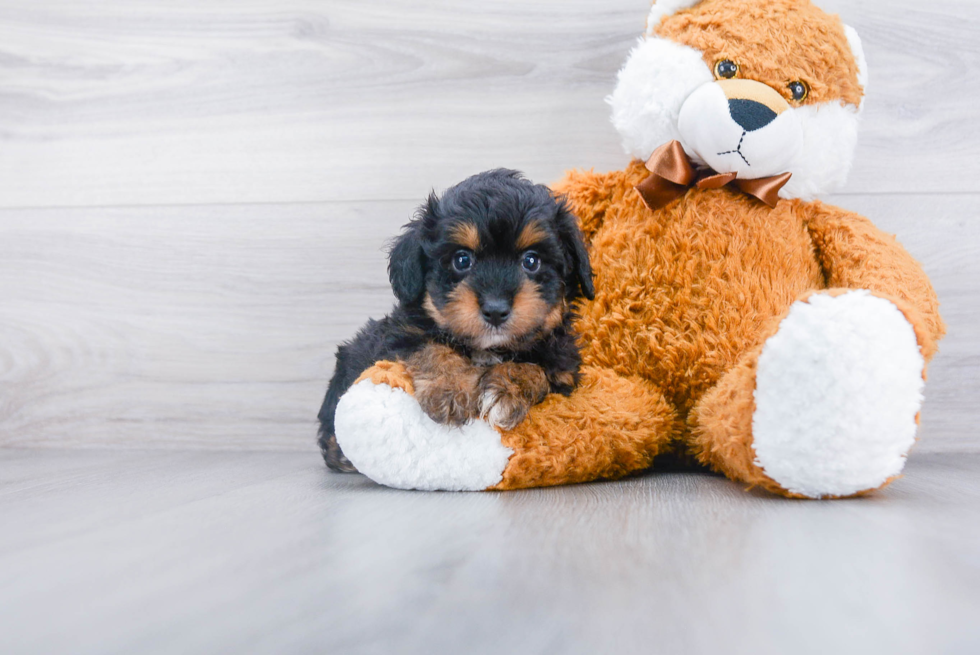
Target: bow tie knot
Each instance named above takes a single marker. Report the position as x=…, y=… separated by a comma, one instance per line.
x=672, y=174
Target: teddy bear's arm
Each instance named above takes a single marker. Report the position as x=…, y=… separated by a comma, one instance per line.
x=589, y=194
x=854, y=254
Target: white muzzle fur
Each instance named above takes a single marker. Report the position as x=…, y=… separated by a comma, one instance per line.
x=744, y=128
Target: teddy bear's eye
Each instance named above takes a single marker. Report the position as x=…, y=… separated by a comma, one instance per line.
x=726, y=69
x=800, y=91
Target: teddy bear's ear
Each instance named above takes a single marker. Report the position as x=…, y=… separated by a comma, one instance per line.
x=663, y=8
x=862, y=63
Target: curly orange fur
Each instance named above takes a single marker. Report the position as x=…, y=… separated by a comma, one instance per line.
x=687, y=295
x=685, y=298
x=741, y=32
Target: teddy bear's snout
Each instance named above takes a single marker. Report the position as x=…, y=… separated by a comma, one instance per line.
x=752, y=105
x=740, y=126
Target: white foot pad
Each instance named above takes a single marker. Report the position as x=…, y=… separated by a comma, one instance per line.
x=838, y=389
x=388, y=437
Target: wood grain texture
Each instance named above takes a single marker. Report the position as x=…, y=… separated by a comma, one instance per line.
x=149, y=552
x=140, y=103
x=194, y=200
x=183, y=326
x=215, y=327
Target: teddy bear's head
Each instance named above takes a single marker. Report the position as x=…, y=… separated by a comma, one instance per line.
x=753, y=87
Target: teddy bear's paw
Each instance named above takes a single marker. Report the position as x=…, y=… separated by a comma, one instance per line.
x=385, y=433
x=838, y=392
x=394, y=374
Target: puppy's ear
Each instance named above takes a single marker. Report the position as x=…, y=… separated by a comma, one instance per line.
x=406, y=260
x=579, y=279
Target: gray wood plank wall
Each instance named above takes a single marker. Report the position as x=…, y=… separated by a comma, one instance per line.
x=194, y=196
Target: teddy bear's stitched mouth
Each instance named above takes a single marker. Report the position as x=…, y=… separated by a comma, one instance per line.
x=738, y=150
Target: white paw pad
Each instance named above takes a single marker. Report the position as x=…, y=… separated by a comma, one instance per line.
x=837, y=392
x=388, y=437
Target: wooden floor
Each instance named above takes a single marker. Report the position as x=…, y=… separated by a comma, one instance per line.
x=175, y=552
x=194, y=200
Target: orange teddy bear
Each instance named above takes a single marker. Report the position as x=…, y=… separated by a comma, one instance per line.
x=737, y=320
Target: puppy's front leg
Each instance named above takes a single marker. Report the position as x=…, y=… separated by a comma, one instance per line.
x=445, y=384
x=508, y=392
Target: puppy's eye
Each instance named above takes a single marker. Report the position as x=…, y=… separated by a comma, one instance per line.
x=531, y=262
x=726, y=69
x=800, y=91
x=462, y=261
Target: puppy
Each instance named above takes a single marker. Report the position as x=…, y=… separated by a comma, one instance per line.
x=484, y=277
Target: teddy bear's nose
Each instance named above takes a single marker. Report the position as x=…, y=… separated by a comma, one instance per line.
x=753, y=105
x=751, y=115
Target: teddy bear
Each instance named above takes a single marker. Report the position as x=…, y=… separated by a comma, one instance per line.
x=738, y=322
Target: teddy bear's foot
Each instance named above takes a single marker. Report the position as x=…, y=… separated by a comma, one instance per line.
x=609, y=427
x=830, y=406
x=386, y=435
x=838, y=392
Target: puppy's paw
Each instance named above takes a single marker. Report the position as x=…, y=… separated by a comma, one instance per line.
x=445, y=384
x=446, y=402
x=508, y=391
x=334, y=456
x=501, y=410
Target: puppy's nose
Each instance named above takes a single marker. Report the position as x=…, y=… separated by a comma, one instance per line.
x=495, y=311
x=751, y=115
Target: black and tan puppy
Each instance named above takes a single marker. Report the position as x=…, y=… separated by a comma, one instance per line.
x=484, y=278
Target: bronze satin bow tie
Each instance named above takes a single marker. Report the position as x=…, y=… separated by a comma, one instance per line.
x=673, y=174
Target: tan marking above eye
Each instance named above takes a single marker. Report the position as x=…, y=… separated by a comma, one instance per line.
x=532, y=234
x=465, y=235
